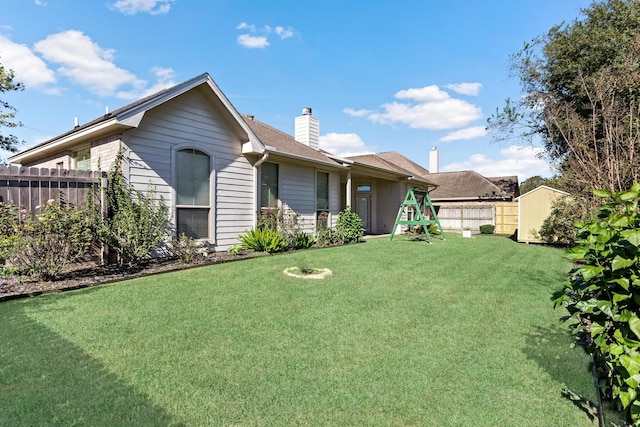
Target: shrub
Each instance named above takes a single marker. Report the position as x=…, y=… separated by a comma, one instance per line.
x=349, y=227
x=487, y=228
x=52, y=239
x=285, y=220
x=135, y=223
x=263, y=240
x=602, y=296
x=433, y=229
x=302, y=240
x=186, y=249
x=558, y=227
x=326, y=237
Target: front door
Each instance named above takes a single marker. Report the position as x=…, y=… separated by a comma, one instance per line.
x=363, y=209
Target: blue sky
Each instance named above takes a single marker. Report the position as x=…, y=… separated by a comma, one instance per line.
x=402, y=75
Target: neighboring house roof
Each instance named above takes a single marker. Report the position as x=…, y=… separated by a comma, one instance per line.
x=395, y=162
x=130, y=116
x=466, y=185
x=280, y=143
x=508, y=184
x=544, y=188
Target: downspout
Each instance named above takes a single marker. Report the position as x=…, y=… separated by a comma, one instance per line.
x=265, y=156
x=348, y=192
x=256, y=203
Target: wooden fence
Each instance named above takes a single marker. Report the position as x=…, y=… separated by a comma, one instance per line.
x=504, y=215
x=31, y=188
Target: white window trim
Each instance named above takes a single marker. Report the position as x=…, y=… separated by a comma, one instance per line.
x=212, y=186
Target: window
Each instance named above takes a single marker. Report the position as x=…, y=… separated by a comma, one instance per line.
x=83, y=159
x=322, y=191
x=193, y=204
x=268, y=185
x=364, y=188
x=322, y=200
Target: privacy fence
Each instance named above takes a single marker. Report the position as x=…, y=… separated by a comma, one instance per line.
x=30, y=188
x=504, y=215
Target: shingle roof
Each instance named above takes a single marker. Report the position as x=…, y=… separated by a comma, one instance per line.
x=466, y=185
x=284, y=143
x=508, y=184
x=113, y=114
x=394, y=162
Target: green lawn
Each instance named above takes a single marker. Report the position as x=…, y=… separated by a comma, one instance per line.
x=457, y=333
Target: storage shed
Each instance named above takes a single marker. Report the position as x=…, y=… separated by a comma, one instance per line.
x=533, y=208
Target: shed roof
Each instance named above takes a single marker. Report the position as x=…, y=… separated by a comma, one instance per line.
x=542, y=188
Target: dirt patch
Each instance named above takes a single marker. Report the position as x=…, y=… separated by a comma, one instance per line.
x=82, y=275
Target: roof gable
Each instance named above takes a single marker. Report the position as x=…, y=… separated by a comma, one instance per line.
x=281, y=143
x=130, y=116
x=543, y=188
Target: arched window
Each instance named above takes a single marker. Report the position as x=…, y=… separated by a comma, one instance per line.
x=193, y=193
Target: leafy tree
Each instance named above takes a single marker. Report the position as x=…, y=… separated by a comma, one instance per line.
x=7, y=111
x=581, y=87
x=536, y=181
x=602, y=296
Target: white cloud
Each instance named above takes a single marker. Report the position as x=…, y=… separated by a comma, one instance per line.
x=86, y=63
x=448, y=114
x=284, y=33
x=41, y=3
x=472, y=89
x=523, y=161
x=356, y=113
x=344, y=144
x=153, y=7
x=428, y=107
x=257, y=38
x=252, y=42
x=28, y=68
x=466, y=133
x=424, y=94
x=245, y=26
x=165, y=78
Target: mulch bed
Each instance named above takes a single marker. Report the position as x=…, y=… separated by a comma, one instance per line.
x=87, y=274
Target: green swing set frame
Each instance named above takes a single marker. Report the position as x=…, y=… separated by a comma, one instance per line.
x=420, y=208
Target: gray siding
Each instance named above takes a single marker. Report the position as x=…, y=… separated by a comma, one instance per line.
x=297, y=189
x=190, y=120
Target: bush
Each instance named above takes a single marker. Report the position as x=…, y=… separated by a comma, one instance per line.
x=52, y=239
x=602, y=296
x=186, y=249
x=283, y=219
x=263, y=240
x=326, y=237
x=302, y=240
x=349, y=227
x=136, y=223
x=487, y=228
x=558, y=227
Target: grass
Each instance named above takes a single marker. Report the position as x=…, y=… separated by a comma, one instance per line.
x=457, y=333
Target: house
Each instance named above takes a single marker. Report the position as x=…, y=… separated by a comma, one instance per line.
x=467, y=199
x=533, y=208
x=216, y=168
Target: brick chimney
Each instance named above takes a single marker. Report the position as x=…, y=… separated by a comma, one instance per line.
x=307, y=129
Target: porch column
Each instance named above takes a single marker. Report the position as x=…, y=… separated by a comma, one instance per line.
x=348, y=187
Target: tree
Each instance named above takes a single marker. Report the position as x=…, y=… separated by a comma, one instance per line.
x=7, y=111
x=581, y=97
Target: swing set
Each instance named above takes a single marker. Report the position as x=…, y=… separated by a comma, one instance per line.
x=419, y=202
